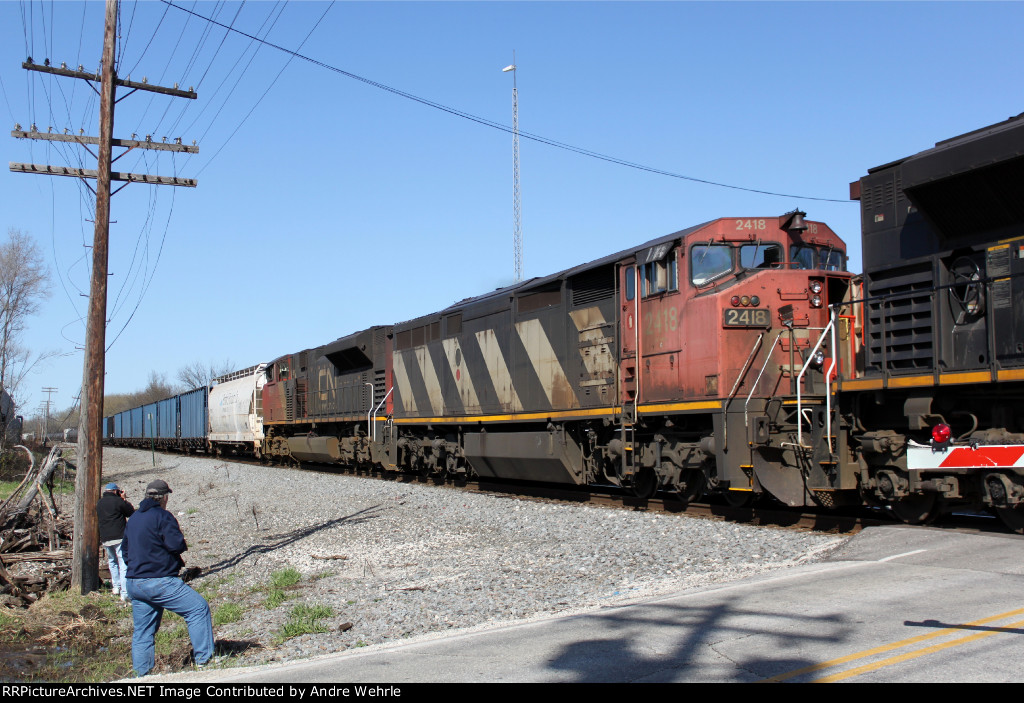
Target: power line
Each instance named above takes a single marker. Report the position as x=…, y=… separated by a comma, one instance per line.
x=496, y=125
x=253, y=108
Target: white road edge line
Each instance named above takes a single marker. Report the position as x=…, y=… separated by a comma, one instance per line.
x=905, y=554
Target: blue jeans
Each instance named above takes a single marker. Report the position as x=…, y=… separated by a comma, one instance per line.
x=149, y=598
x=118, y=571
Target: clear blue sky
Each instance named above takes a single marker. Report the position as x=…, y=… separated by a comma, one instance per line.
x=337, y=205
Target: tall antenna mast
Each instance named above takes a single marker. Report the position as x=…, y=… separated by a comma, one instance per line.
x=517, y=206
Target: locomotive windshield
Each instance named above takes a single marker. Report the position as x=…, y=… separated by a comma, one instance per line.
x=709, y=261
x=761, y=255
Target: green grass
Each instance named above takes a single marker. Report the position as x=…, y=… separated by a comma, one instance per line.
x=285, y=578
x=8, y=620
x=172, y=630
x=7, y=488
x=192, y=511
x=227, y=613
x=209, y=587
x=275, y=597
x=304, y=619
x=280, y=581
x=59, y=487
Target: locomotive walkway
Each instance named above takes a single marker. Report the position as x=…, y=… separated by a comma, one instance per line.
x=895, y=604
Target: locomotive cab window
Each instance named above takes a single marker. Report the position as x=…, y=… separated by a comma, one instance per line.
x=709, y=261
x=760, y=256
x=832, y=260
x=803, y=257
x=808, y=257
x=659, y=276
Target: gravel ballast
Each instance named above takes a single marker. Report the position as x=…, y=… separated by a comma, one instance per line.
x=394, y=560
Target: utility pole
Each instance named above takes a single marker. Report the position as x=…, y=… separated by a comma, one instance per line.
x=85, y=554
x=49, y=392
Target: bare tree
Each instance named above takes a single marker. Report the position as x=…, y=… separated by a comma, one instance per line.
x=156, y=389
x=197, y=374
x=24, y=284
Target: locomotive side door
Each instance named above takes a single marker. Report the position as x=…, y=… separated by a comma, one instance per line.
x=660, y=333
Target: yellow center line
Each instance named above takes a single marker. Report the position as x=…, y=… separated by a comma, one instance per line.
x=889, y=647
x=911, y=655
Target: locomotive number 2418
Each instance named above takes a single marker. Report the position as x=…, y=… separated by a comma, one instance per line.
x=747, y=317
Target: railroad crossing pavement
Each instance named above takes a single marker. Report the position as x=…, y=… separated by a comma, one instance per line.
x=895, y=604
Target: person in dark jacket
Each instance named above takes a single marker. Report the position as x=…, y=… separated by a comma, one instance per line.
x=152, y=547
x=112, y=511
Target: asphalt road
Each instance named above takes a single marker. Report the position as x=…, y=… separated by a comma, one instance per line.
x=896, y=604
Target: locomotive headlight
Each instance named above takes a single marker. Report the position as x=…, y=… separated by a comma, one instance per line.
x=815, y=286
x=745, y=301
x=816, y=301
x=818, y=359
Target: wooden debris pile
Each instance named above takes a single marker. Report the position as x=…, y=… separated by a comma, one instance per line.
x=35, y=538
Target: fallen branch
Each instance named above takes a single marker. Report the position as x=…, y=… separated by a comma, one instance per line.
x=49, y=466
x=58, y=555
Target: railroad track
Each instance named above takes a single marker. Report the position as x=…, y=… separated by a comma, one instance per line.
x=766, y=514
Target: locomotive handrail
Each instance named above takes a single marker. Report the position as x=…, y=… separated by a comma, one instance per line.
x=746, y=421
x=374, y=425
x=368, y=426
x=833, y=369
x=828, y=396
x=921, y=291
x=736, y=387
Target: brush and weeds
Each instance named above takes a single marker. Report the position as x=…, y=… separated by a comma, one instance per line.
x=67, y=637
x=72, y=638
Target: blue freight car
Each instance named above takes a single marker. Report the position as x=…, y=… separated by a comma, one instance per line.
x=167, y=427
x=194, y=422
x=149, y=421
x=178, y=422
x=134, y=431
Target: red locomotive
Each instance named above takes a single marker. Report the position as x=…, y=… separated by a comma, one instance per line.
x=642, y=369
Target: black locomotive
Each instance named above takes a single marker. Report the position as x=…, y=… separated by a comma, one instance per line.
x=934, y=416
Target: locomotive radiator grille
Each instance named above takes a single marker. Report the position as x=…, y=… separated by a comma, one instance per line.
x=900, y=335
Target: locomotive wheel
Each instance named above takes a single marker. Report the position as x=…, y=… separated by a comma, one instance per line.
x=738, y=499
x=645, y=484
x=1013, y=518
x=915, y=509
x=693, y=488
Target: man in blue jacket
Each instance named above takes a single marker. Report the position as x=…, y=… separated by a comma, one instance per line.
x=152, y=549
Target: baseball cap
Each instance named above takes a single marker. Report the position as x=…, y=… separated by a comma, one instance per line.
x=110, y=486
x=158, y=488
